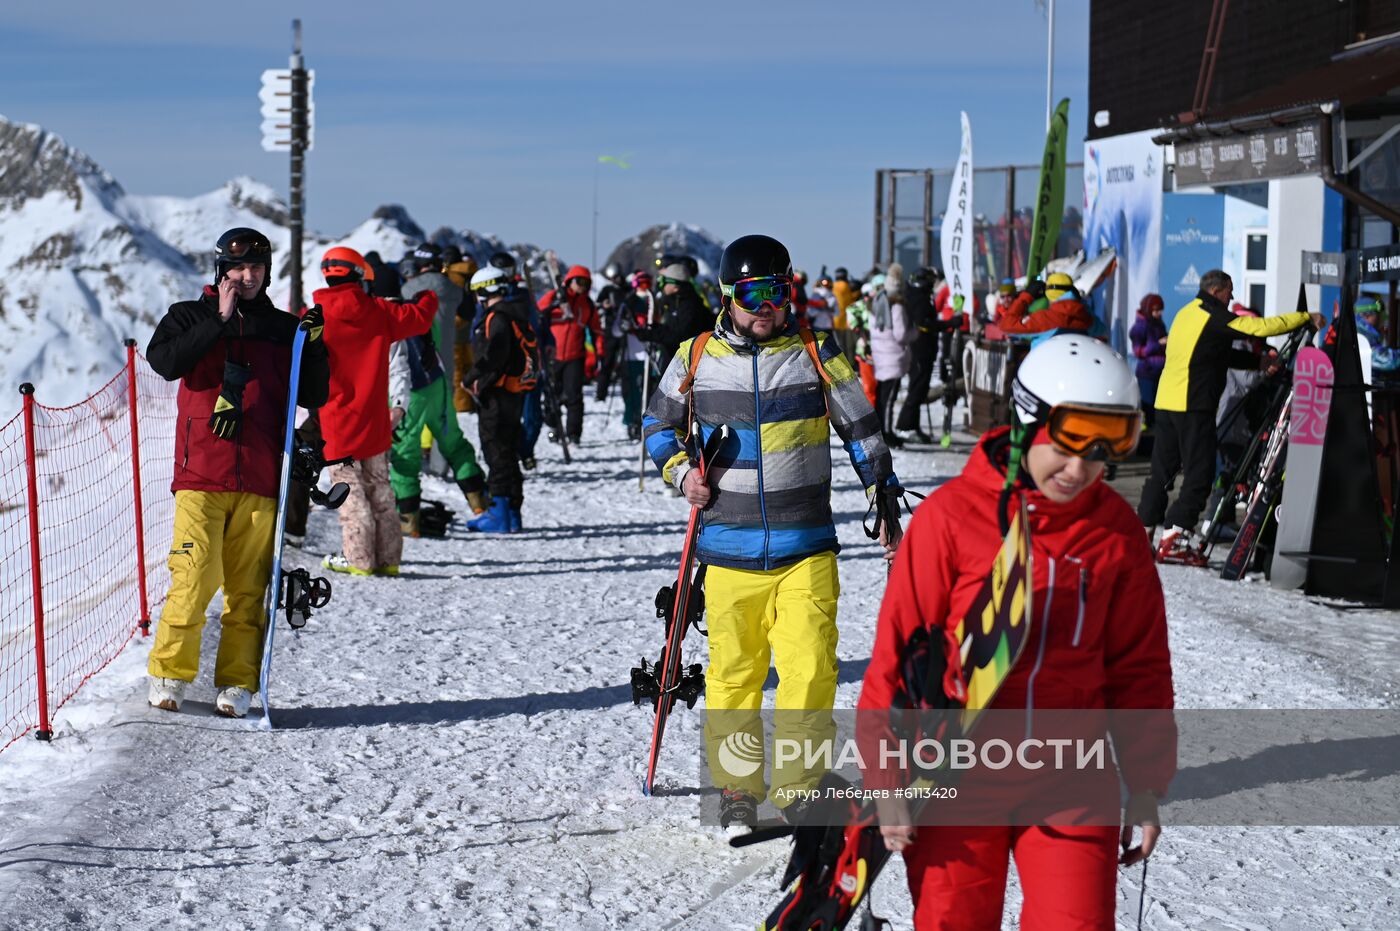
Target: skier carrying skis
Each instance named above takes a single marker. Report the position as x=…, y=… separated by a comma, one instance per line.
x=231, y=351
x=768, y=542
x=355, y=421
x=1098, y=641
x=1188, y=395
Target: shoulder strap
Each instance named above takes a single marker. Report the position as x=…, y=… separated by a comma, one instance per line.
x=697, y=352
x=809, y=342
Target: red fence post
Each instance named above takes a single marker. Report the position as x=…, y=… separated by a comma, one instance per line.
x=144, y=622
x=44, y=732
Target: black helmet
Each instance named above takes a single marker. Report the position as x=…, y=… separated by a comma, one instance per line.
x=754, y=256
x=241, y=246
x=613, y=272
x=451, y=254
x=427, y=255
x=504, y=261
x=841, y=274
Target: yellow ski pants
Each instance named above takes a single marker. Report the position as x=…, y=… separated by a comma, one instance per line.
x=788, y=616
x=221, y=539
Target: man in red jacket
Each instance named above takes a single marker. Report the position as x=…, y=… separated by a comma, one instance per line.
x=232, y=353
x=572, y=319
x=1098, y=641
x=355, y=420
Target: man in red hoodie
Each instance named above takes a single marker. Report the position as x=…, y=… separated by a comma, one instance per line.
x=1098, y=641
x=355, y=420
x=572, y=319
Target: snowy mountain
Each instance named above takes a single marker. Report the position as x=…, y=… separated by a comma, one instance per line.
x=84, y=264
x=641, y=251
x=78, y=271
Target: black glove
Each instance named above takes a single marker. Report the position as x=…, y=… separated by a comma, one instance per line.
x=313, y=322
x=1035, y=288
x=649, y=334
x=228, y=407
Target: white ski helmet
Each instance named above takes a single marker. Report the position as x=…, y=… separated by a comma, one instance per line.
x=1072, y=369
x=490, y=280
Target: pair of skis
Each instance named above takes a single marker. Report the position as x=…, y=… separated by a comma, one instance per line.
x=832, y=868
x=681, y=606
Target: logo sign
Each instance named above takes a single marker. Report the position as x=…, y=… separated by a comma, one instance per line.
x=1276, y=152
x=276, y=98
x=1323, y=268
x=741, y=754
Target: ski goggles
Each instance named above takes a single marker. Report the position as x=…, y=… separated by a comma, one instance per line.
x=752, y=294
x=1094, y=432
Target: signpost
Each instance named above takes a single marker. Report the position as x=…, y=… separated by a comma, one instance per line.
x=1275, y=152
x=287, y=113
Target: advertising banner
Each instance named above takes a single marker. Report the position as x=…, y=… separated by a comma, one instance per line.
x=1193, y=242
x=957, y=232
x=1050, y=193
x=1277, y=152
x=1123, y=209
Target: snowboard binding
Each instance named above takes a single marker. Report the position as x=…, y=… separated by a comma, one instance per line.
x=300, y=593
x=646, y=684
x=433, y=519
x=306, y=469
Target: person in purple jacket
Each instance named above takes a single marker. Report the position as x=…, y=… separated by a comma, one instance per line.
x=1149, y=338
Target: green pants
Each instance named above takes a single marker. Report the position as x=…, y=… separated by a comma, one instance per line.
x=429, y=407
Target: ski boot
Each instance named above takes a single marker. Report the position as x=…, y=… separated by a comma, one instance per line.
x=474, y=488
x=516, y=525
x=1178, y=548
x=496, y=520
x=336, y=562
x=738, y=811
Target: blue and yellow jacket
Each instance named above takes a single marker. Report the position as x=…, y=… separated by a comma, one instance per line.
x=771, y=480
x=1199, y=351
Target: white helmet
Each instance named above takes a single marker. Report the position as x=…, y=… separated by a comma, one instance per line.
x=490, y=280
x=1072, y=369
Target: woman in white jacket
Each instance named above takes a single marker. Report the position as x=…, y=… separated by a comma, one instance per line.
x=890, y=340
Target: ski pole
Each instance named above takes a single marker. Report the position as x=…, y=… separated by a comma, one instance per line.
x=1142, y=894
x=646, y=392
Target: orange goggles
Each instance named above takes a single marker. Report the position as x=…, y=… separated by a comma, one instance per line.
x=1094, y=432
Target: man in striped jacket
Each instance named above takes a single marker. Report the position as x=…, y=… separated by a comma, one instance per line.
x=767, y=539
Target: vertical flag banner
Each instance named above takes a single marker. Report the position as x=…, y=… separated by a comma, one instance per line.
x=1050, y=194
x=956, y=234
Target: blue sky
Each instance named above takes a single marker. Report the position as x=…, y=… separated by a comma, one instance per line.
x=740, y=117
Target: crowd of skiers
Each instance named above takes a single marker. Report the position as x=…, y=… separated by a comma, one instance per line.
x=392, y=356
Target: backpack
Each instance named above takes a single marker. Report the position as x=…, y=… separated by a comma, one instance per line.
x=526, y=380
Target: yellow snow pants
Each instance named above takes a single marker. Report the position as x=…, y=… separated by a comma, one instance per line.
x=787, y=615
x=221, y=539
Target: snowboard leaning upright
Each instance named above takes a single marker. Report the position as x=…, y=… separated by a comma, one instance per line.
x=274, y=585
x=1312, y=401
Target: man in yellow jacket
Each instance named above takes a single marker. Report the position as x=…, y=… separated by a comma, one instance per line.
x=1199, y=352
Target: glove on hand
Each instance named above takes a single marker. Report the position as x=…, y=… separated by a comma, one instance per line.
x=313, y=322
x=228, y=408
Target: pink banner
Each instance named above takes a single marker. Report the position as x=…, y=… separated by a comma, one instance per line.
x=1312, y=397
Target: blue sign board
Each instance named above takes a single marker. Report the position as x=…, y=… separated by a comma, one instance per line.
x=1193, y=242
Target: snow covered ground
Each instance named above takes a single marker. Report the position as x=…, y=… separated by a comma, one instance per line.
x=457, y=748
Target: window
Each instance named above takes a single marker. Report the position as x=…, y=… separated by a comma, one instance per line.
x=1256, y=251
x=1256, y=299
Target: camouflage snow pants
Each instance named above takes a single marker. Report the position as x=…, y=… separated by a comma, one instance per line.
x=369, y=521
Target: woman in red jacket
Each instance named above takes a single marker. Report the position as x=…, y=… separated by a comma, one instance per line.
x=1098, y=638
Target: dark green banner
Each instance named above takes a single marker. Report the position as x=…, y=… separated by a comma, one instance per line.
x=1050, y=194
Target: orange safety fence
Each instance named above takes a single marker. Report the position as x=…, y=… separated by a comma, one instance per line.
x=85, y=520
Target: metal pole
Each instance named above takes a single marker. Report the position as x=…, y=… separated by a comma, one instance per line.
x=879, y=215
x=144, y=621
x=298, y=149
x=593, y=256
x=44, y=732
x=1010, y=224
x=1050, y=70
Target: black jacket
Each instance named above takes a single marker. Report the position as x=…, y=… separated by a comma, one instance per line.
x=498, y=349
x=680, y=316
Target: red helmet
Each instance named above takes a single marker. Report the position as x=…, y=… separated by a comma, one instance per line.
x=343, y=262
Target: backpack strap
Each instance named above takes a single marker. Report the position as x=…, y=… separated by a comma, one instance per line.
x=697, y=351
x=809, y=342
